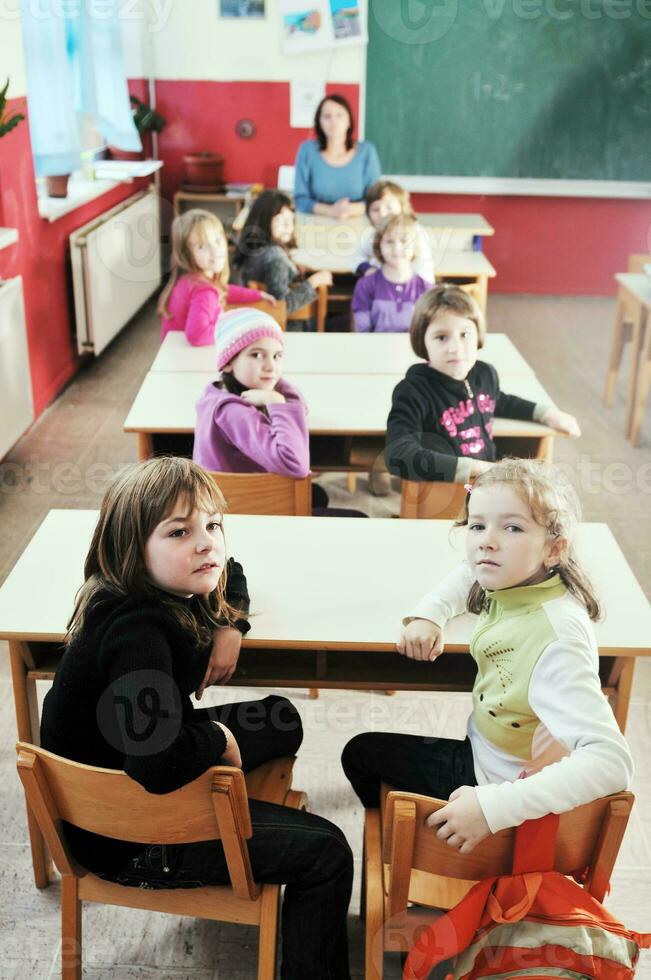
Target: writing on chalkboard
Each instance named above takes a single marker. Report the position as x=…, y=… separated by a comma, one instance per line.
x=502, y=88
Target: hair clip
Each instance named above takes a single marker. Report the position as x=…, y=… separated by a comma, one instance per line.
x=467, y=487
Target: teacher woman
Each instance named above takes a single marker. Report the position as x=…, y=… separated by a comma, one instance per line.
x=333, y=172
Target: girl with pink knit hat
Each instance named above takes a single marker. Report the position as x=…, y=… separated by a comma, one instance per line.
x=251, y=420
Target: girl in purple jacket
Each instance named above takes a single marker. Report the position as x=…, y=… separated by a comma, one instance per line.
x=251, y=421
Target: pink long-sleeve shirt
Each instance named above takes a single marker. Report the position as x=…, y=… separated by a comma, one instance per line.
x=233, y=436
x=195, y=306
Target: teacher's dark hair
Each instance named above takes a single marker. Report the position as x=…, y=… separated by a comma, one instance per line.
x=321, y=136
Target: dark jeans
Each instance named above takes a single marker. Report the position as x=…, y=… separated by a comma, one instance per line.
x=414, y=763
x=303, y=851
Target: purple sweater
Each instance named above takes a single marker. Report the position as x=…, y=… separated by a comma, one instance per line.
x=195, y=306
x=232, y=436
x=381, y=306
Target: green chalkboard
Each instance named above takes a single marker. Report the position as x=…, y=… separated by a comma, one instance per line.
x=511, y=88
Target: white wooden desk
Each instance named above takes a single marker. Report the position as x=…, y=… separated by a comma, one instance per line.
x=339, y=404
x=338, y=353
x=466, y=226
x=328, y=615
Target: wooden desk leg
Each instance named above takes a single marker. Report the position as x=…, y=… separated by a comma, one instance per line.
x=145, y=445
x=545, y=448
x=27, y=723
x=638, y=396
x=621, y=678
x=482, y=292
x=619, y=339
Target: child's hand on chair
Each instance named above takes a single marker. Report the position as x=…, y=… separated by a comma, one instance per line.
x=461, y=822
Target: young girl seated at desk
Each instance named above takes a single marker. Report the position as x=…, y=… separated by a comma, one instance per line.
x=161, y=608
x=384, y=300
x=538, y=708
x=198, y=287
x=252, y=420
x=441, y=422
x=263, y=252
x=385, y=200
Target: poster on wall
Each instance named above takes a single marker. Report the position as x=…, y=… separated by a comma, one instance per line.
x=241, y=8
x=314, y=25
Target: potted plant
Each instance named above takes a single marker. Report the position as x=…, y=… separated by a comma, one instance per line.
x=7, y=122
x=147, y=120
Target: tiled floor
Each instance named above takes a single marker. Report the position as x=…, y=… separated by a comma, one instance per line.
x=67, y=460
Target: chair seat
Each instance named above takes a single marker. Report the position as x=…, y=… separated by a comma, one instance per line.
x=215, y=902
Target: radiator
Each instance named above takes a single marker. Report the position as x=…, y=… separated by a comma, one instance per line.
x=16, y=407
x=116, y=267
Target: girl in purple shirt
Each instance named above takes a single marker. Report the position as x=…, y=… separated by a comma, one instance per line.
x=198, y=287
x=251, y=421
x=384, y=300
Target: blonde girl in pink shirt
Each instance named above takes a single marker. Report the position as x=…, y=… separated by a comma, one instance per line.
x=198, y=289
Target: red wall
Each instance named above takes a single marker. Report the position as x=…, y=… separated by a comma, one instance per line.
x=541, y=245
x=41, y=257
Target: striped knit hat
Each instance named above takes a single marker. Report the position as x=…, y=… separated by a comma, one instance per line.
x=237, y=329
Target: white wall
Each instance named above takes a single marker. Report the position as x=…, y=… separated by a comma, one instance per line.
x=12, y=64
x=190, y=41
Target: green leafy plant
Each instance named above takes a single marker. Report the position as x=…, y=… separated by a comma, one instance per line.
x=147, y=120
x=7, y=122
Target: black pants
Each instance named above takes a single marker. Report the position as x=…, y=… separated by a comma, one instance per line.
x=303, y=851
x=414, y=763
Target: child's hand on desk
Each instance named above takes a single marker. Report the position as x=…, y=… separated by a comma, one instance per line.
x=478, y=466
x=421, y=640
x=262, y=396
x=322, y=278
x=268, y=298
x=231, y=756
x=461, y=822
x=561, y=421
x=223, y=658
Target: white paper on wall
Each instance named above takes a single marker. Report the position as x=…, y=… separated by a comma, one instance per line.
x=314, y=25
x=304, y=97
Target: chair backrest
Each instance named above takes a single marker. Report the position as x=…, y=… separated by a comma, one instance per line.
x=286, y=175
x=588, y=837
x=266, y=493
x=440, y=500
x=110, y=803
x=318, y=308
x=277, y=310
x=636, y=263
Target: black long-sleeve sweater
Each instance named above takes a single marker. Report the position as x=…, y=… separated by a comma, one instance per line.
x=434, y=420
x=121, y=700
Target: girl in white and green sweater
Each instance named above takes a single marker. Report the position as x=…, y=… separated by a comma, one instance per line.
x=538, y=708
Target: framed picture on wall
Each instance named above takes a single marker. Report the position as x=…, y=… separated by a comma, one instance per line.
x=242, y=8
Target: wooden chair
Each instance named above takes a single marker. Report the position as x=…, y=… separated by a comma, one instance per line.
x=404, y=861
x=266, y=493
x=108, y=802
x=439, y=500
x=628, y=328
x=318, y=308
x=277, y=310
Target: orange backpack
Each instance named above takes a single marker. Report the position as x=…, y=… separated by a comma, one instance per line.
x=534, y=923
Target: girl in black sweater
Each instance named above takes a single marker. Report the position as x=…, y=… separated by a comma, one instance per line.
x=161, y=614
x=440, y=427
